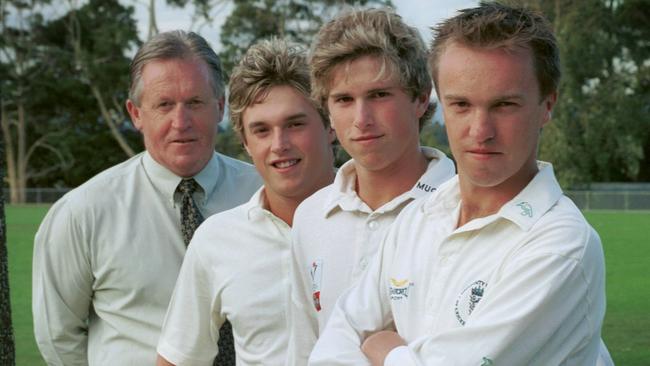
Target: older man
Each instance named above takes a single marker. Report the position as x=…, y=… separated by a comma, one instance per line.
x=107, y=255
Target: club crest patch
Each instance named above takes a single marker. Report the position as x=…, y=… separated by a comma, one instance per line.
x=468, y=299
x=316, y=272
x=399, y=289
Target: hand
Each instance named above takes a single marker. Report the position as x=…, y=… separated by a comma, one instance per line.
x=377, y=346
x=160, y=361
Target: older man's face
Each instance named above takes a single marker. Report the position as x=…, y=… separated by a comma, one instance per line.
x=178, y=114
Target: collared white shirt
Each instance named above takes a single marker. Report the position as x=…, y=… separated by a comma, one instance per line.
x=236, y=267
x=107, y=254
x=524, y=286
x=335, y=236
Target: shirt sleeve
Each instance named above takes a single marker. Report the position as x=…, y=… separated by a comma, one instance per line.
x=190, y=330
x=361, y=310
x=62, y=287
x=302, y=319
x=546, y=308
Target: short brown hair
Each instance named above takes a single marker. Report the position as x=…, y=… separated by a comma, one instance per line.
x=371, y=32
x=266, y=64
x=176, y=44
x=494, y=25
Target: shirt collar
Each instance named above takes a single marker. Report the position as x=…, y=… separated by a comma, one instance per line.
x=344, y=196
x=542, y=193
x=165, y=181
x=257, y=209
x=525, y=209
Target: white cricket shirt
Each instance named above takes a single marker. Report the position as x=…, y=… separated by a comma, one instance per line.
x=524, y=286
x=236, y=267
x=335, y=236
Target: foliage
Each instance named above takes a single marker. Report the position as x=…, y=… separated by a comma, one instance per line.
x=297, y=20
x=600, y=129
x=56, y=71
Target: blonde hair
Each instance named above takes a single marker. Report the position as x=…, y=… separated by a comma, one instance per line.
x=268, y=63
x=371, y=32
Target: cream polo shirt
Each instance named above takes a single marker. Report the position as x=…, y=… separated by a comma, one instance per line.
x=334, y=237
x=236, y=267
x=107, y=254
x=524, y=286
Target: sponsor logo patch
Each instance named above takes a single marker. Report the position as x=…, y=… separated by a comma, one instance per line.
x=399, y=289
x=316, y=272
x=468, y=299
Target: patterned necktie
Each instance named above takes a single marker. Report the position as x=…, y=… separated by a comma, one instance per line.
x=191, y=218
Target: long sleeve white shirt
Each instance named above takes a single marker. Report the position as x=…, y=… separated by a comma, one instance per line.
x=334, y=238
x=236, y=267
x=524, y=286
x=107, y=254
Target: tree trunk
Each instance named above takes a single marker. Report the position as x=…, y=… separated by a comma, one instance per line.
x=112, y=125
x=7, y=345
x=153, y=26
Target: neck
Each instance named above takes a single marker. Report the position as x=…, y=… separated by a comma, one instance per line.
x=282, y=207
x=376, y=188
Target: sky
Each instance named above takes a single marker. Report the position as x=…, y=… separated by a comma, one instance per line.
x=419, y=13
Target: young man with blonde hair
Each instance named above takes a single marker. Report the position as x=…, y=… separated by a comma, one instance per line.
x=497, y=267
x=369, y=72
x=237, y=264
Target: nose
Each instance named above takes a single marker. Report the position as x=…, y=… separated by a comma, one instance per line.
x=181, y=118
x=362, y=115
x=481, y=126
x=280, y=141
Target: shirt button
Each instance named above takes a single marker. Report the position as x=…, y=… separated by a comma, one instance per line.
x=373, y=225
x=363, y=264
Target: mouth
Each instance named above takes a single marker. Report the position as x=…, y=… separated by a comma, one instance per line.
x=483, y=153
x=283, y=164
x=367, y=138
x=183, y=141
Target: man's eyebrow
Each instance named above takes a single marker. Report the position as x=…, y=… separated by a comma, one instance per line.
x=296, y=116
x=292, y=117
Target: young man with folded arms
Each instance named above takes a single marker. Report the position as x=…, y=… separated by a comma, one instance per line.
x=369, y=72
x=497, y=267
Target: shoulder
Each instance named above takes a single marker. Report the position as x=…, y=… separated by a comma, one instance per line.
x=313, y=207
x=563, y=230
x=102, y=189
x=234, y=166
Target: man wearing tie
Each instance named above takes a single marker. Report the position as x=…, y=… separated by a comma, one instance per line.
x=107, y=254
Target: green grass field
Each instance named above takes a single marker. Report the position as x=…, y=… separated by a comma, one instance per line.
x=624, y=237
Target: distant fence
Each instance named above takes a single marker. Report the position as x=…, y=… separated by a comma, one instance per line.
x=610, y=200
x=601, y=197
x=40, y=195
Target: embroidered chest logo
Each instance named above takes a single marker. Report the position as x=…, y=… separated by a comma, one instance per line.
x=526, y=209
x=487, y=362
x=399, y=289
x=316, y=273
x=468, y=299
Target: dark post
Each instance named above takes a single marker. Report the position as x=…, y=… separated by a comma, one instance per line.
x=7, y=346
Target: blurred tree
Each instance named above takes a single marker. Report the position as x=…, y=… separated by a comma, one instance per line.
x=298, y=20
x=601, y=125
x=22, y=63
